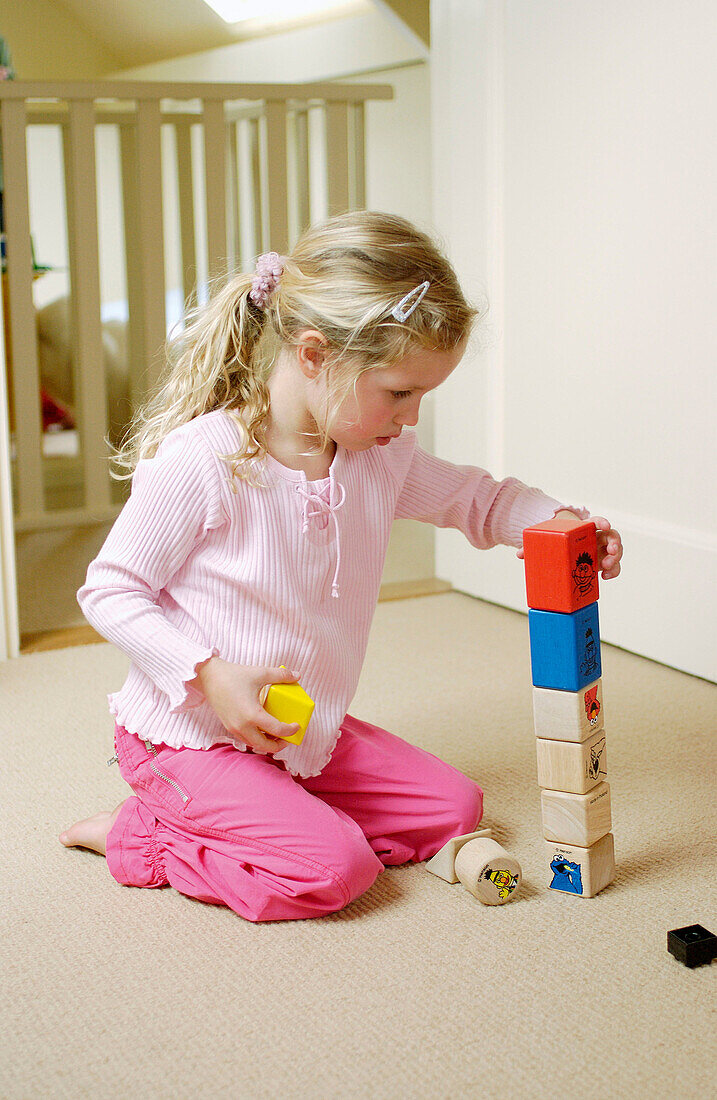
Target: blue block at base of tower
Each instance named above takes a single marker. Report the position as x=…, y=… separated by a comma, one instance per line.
x=565, y=649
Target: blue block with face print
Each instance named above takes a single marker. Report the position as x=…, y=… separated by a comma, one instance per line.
x=565, y=649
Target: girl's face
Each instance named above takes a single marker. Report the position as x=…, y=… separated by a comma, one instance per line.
x=387, y=398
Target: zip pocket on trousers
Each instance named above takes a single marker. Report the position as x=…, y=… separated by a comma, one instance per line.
x=172, y=782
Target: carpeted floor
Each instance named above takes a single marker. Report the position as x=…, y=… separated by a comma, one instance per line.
x=416, y=990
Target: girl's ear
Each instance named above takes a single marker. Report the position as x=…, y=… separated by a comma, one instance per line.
x=311, y=351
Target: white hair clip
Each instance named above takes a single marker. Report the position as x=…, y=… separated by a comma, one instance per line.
x=400, y=312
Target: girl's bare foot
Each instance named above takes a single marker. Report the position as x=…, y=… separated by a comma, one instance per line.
x=92, y=832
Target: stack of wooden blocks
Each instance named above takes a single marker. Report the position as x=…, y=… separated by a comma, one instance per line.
x=562, y=589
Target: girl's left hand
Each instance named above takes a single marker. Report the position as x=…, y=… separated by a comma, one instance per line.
x=609, y=545
x=609, y=548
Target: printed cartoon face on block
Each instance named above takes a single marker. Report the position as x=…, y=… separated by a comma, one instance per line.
x=581, y=871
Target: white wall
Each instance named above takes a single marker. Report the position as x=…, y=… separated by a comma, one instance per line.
x=575, y=172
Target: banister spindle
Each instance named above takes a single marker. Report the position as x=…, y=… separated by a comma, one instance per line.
x=89, y=384
x=337, y=156
x=21, y=320
x=215, y=185
x=185, y=192
x=277, y=223
x=148, y=251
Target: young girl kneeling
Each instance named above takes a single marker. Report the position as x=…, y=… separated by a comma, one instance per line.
x=267, y=472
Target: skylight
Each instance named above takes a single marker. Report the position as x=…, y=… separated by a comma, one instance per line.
x=237, y=11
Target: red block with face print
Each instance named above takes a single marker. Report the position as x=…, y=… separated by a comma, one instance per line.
x=561, y=571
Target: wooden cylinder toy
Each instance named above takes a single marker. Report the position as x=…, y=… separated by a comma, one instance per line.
x=487, y=871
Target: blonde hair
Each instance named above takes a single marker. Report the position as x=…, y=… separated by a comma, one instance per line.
x=343, y=278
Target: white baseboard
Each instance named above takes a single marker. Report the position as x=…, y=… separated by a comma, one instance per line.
x=661, y=607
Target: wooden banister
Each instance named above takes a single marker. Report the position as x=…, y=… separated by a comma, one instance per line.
x=275, y=157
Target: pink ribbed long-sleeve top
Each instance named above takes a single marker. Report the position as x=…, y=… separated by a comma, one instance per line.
x=287, y=573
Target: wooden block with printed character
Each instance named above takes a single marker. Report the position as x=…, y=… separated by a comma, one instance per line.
x=565, y=649
x=568, y=715
x=561, y=565
x=571, y=766
x=581, y=871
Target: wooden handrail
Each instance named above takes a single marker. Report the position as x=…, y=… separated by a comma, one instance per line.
x=154, y=89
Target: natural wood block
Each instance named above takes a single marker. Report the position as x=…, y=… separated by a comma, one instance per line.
x=570, y=766
x=487, y=871
x=576, y=818
x=582, y=871
x=568, y=715
x=444, y=861
x=561, y=565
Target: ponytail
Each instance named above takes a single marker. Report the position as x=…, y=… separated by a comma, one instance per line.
x=215, y=362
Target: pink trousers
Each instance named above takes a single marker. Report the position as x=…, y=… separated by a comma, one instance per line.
x=236, y=829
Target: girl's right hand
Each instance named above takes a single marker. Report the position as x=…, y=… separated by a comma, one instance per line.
x=233, y=692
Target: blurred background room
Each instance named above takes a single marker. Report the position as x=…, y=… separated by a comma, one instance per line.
x=558, y=151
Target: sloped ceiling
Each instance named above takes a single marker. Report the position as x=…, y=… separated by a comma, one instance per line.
x=139, y=32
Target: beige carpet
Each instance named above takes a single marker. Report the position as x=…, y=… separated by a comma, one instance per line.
x=416, y=990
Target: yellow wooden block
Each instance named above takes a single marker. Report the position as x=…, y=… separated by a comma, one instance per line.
x=290, y=703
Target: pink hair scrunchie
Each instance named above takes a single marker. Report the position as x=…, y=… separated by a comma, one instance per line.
x=269, y=269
